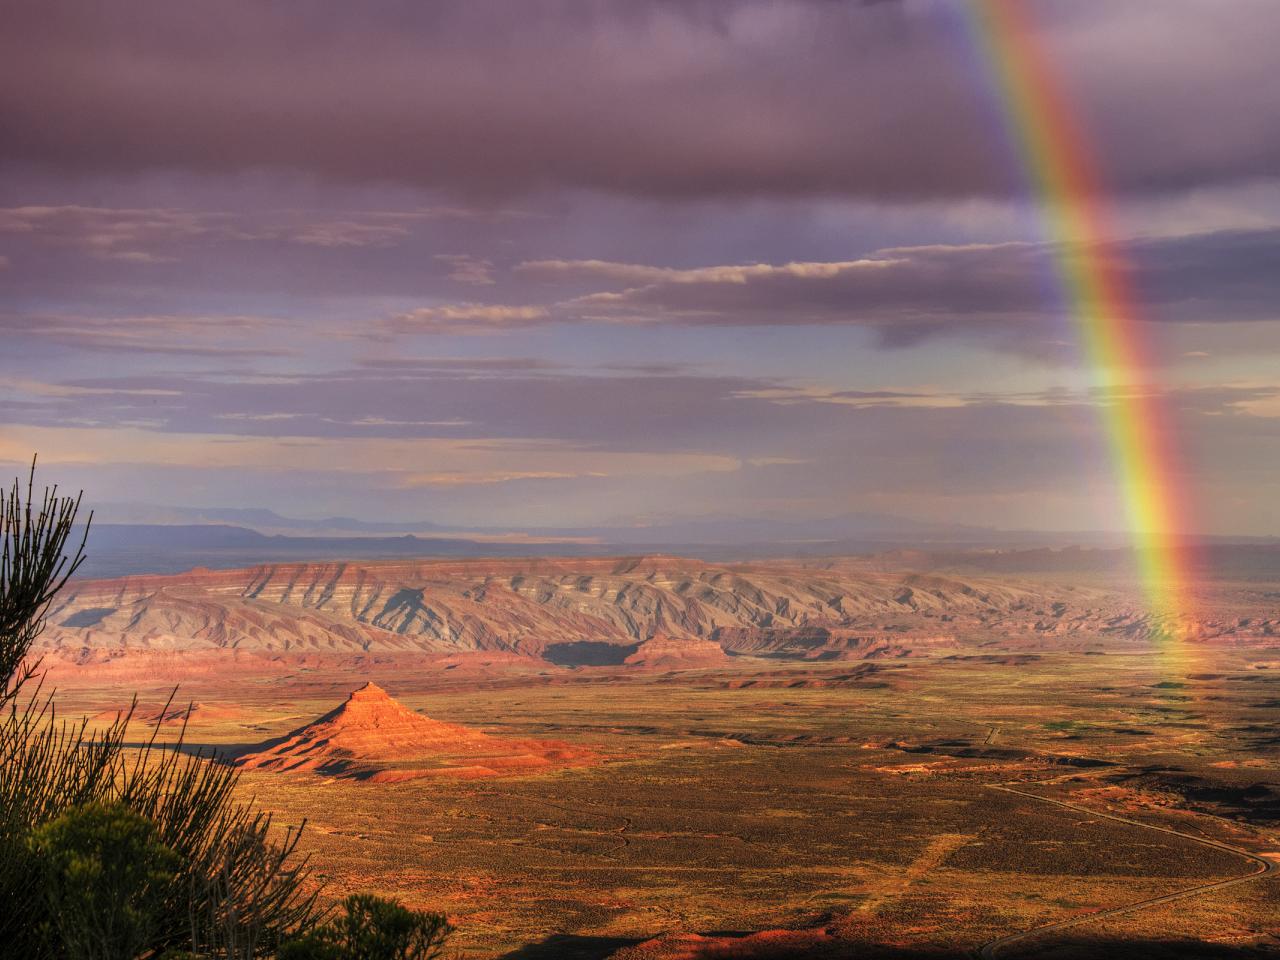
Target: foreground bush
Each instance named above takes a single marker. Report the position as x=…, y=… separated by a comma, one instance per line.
x=103, y=875
x=111, y=850
x=231, y=889
x=372, y=928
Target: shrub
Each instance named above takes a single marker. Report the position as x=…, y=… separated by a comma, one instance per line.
x=235, y=890
x=103, y=874
x=373, y=928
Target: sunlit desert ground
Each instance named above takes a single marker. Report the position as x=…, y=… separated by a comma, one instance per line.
x=857, y=803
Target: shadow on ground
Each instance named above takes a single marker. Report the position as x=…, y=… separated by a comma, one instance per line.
x=219, y=752
x=564, y=946
x=570, y=947
x=588, y=653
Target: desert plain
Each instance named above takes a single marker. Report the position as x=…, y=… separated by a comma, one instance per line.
x=657, y=758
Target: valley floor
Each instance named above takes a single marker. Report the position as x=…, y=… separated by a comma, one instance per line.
x=853, y=805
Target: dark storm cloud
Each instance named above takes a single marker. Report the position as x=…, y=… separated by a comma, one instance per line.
x=634, y=96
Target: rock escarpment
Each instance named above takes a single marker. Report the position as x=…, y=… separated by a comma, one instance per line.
x=783, y=609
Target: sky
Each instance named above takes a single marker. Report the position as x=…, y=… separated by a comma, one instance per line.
x=621, y=262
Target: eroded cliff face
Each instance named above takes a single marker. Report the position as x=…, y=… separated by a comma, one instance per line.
x=562, y=609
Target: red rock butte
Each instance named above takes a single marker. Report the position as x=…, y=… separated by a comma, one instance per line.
x=373, y=737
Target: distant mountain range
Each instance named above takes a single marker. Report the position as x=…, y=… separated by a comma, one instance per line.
x=129, y=539
x=117, y=550
x=724, y=529
x=263, y=521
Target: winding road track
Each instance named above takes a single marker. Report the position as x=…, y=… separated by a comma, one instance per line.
x=1262, y=867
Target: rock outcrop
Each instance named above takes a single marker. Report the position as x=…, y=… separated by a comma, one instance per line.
x=677, y=653
x=373, y=737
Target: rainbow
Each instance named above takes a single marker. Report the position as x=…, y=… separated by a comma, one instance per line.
x=1093, y=279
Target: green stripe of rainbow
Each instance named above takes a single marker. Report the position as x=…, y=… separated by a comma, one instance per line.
x=1094, y=281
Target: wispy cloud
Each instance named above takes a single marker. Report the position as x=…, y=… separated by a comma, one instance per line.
x=421, y=462
x=257, y=417
x=346, y=233
x=467, y=318
x=156, y=235
x=463, y=268
x=41, y=388
x=209, y=336
x=1002, y=295
x=485, y=479
x=457, y=365
x=131, y=236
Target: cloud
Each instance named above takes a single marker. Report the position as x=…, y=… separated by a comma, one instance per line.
x=386, y=422
x=345, y=233
x=1006, y=295
x=598, y=447
x=256, y=417
x=715, y=98
x=466, y=318
x=905, y=295
x=485, y=479
x=467, y=269
x=130, y=236
x=790, y=395
x=41, y=388
x=598, y=271
x=406, y=463
x=457, y=365
x=741, y=417
x=155, y=235
x=1232, y=399
x=199, y=336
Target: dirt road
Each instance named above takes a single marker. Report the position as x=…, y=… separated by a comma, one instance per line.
x=1262, y=867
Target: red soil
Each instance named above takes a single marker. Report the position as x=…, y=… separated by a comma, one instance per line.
x=194, y=714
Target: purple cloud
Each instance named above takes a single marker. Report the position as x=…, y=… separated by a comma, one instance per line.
x=642, y=97
x=1004, y=294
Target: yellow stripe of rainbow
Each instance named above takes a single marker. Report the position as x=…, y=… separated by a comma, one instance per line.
x=1094, y=281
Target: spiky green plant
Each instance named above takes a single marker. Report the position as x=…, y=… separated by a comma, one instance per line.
x=238, y=889
x=34, y=565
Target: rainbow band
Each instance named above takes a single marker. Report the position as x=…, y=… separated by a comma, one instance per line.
x=1094, y=282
